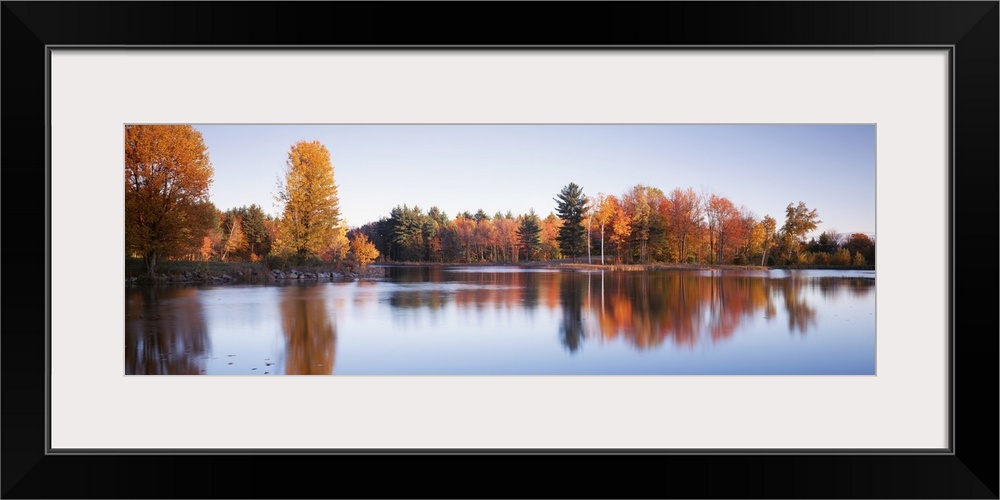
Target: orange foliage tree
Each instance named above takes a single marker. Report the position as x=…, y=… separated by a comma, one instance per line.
x=167, y=176
x=310, y=223
x=685, y=215
x=364, y=250
x=236, y=241
x=621, y=226
x=550, y=232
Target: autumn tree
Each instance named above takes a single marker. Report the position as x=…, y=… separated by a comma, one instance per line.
x=483, y=233
x=841, y=257
x=451, y=244
x=167, y=176
x=310, y=224
x=635, y=202
x=685, y=215
x=235, y=241
x=768, y=225
x=206, y=248
x=643, y=205
x=756, y=241
x=723, y=225
x=379, y=233
x=550, y=237
x=858, y=260
x=861, y=244
x=203, y=220
x=506, y=233
x=621, y=226
x=210, y=244
x=529, y=235
x=749, y=234
x=571, y=204
x=432, y=228
x=799, y=221
x=364, y=251
x=465, y=231
x=604, y=211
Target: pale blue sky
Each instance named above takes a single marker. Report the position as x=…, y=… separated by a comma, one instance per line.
x=519, y=167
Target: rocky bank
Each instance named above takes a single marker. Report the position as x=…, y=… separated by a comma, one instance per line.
x=255, y=276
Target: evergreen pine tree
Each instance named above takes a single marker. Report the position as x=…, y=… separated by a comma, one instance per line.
x=529, y=235
x=572, y=236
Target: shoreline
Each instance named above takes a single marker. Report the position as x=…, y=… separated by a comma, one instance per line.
x=657, y=266
x=259, y=273
x=255, y=274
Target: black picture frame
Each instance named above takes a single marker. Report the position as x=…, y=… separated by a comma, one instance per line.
x=969, y=28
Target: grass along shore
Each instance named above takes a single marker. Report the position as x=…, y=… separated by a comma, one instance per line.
x=184, y=271
x=261, y=272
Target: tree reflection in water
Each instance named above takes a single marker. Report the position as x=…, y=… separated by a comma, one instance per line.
x=831, y=287
x=643, y=309
x=167, y=328
x=310, y=334
x=165, y=331
x=572, y=288
x=685, y=308
x=801, y=315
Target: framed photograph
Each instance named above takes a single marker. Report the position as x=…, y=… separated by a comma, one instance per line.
x=881, y=110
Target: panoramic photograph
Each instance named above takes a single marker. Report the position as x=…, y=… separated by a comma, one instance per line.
x=476, y=249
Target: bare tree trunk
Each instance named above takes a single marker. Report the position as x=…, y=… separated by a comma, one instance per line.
x=150, y=260
x=602, y=250
x=681, y=257
x=225, y=249
x=589, y=261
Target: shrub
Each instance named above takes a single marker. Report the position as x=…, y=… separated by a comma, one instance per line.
x=841, y=257
x=859, y=260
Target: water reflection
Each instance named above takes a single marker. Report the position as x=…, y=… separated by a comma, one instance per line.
x=832, y=287
x=643, y=309
x=682, y=308
x=572, y=290
x=310, y=334
x=504, y=320
x=165, y=331
x=801, y=316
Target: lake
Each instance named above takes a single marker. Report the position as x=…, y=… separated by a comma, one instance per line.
x=507, y=320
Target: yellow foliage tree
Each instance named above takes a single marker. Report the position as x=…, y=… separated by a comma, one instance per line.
x=338, y=246
x=842, y=257
x=364, y=250
x=604, y=212
x=859, y=260
x=167, y=176
x=236, y=241
x=767, y=225
x=310, y=224
x=799, y=221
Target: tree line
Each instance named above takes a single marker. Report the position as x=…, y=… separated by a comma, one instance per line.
x=642, y=225
x=169, y=215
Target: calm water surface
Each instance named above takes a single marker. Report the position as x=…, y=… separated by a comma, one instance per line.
x=508, y=320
